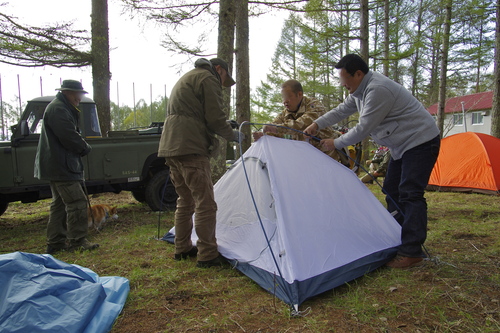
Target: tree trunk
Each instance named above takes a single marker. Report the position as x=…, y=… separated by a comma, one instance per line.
x=225, y=43
x=376, y=46
x=479, y=62
x=100, y=62
x=225, y=51
x=495, y=112
x=243, y=69
x=386, y=37
x=444, y=67
x=364, y=30
x=436, y=45
x=364, y=34
x=416, y=60
x=397, y=23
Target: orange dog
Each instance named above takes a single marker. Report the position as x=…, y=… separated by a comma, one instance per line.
x=99, y=214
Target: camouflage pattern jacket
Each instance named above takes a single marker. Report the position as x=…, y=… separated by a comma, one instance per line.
x=309, y=110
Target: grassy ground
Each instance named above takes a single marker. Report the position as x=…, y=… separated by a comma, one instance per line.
x=459, y=291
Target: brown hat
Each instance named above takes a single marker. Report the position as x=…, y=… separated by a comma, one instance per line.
x=229, y=80
x=72, y=85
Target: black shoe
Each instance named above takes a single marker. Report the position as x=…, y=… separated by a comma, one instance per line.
x=53, y=249
x=219, y=261
x=189, y=254
x=83, y=246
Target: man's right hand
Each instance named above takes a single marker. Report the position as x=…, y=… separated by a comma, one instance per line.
x=270, y=129
x=257, y=135
x=311, y=129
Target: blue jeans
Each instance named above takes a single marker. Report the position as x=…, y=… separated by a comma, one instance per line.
x=404, y=187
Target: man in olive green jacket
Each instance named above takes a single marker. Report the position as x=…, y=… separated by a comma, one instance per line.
x=194, y=116
x=59, y=160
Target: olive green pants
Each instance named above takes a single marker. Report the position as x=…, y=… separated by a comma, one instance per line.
x=68, y=214
x=192, y=178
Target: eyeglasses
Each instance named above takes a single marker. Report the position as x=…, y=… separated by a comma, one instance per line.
x=344, y=76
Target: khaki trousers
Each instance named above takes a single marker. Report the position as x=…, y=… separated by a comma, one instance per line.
x=68, y=214
x=192, y=178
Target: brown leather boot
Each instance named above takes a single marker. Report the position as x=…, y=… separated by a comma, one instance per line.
x=404, y=262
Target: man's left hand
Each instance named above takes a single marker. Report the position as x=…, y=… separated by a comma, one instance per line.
x=327, y=144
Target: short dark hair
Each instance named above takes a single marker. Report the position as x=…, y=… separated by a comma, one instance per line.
x=352, y=63
x=294, y=85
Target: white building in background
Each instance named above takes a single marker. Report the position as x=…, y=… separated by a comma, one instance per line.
x=470, y=113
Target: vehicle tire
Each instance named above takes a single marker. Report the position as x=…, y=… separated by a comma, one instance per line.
x=156, y=197
x=3, y=206
x=139, y=194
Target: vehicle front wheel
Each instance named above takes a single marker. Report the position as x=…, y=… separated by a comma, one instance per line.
x=139, y=194
x=3, y=206
x=160, y=192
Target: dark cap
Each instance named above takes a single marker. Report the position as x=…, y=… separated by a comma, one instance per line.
x=72, y=85
x=229, y=80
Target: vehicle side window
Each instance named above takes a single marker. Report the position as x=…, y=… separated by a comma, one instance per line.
x=35, y=117
x=92, y=128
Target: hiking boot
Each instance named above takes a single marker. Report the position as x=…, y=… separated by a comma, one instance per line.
x=184, y=255
x=405, y=262
x=219, y=261
x=85, y=245
x=55, y=248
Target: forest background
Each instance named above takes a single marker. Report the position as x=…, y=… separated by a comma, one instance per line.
x=436, y=49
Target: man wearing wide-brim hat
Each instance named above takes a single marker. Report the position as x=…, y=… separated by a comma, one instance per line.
x=59, y=160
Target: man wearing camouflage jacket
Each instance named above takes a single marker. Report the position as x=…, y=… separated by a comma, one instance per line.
x=300, y=111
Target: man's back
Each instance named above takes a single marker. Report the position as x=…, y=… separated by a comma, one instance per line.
x=194, y=116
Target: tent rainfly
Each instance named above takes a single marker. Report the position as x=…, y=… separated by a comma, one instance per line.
x=316, y=225
x=467, y=162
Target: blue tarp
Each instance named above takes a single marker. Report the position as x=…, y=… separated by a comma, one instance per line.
x=39, y=293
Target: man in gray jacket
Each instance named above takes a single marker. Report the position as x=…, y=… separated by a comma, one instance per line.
x=393, y=118
x=59, y=160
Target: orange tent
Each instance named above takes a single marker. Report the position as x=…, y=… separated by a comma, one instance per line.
x=467, y=162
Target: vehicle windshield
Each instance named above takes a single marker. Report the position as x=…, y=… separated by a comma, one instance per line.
x=89, y=121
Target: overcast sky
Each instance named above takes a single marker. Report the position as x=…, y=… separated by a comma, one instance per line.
x=136, y=56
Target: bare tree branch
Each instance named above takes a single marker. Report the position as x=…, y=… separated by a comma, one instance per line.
x=56, y=46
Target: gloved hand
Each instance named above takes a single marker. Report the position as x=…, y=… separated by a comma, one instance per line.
x=233, y=124
x=238, y=136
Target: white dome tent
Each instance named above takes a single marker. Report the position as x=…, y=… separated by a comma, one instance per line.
x=316, y=225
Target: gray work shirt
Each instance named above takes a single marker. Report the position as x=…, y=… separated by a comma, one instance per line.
x=388, y=113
